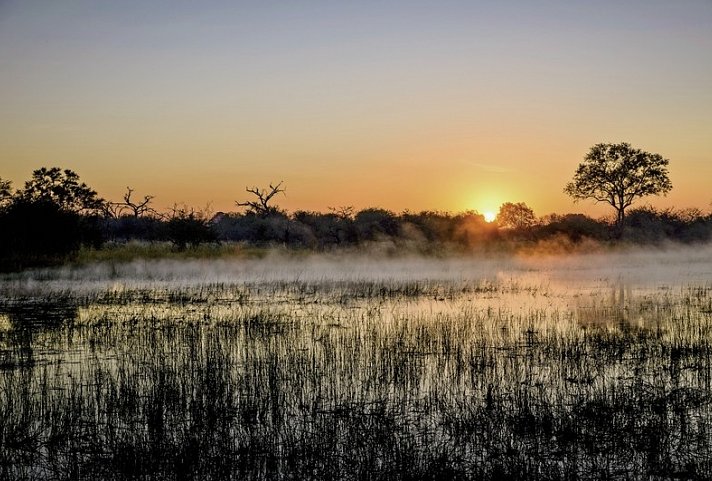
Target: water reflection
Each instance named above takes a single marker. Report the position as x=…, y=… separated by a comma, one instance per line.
x=380, y=380
x=619, y=293
x=24, y=321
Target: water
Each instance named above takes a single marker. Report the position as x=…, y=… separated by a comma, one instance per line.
x=576, y=367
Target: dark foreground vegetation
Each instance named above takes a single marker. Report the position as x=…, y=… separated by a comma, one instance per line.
x=380, y=380
x=54, y=215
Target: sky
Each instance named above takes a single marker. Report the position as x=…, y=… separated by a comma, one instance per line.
x=438, y=105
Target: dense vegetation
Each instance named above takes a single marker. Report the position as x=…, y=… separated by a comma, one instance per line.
x=49, y=219
x=396, y=369
x=425, y=230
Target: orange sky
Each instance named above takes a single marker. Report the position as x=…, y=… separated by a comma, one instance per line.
x=451, y=106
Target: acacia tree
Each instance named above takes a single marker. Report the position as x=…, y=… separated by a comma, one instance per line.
x=48, y=220
x=134, y=208
x=618, y=174
x=515, y=215
x=261, y=206
x=63, y=189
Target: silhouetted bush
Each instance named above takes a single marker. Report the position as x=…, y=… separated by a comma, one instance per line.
x=646, y=225
x=472, y=229
x=432, y=226
x=55, y=214
x=40, y=233
x=376, y=224
x=276, y=228
x=649, y=225
x=127, y=228
x=189, y=228
x=328, y=229
x=576, y=227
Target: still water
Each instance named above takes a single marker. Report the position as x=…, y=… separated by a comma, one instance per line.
x=549, y=367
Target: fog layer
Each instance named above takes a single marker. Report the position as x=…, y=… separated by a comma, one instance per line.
x=632, y=267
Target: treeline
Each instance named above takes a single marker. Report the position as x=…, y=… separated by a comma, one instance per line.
x=54, y=215
x=426, y=230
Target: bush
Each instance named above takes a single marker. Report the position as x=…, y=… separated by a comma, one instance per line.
x=576, y=227
x=189, y=228
x=41, y=233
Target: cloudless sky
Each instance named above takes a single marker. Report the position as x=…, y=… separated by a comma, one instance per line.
x=405, y=105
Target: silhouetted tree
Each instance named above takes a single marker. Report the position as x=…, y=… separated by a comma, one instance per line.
x=133, y=208
x=48, y=220
x=5, y=192
x=618, y=174
x=62, y=188
x=343, y=212
x=261, y=206
x=515, y=215
x=133, y=219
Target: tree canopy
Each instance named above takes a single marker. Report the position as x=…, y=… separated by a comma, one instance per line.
x=5, y=192
x=515, y=215
x=61, y=188
x=618, y=174
x=261, y=206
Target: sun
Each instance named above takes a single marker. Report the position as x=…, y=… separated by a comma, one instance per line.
x=490, y=216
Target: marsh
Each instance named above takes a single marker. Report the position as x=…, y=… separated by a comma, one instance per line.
x=360, y=367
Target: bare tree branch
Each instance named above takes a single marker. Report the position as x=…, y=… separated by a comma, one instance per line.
x=131, y=208
x=343, y=212
x=261, y=205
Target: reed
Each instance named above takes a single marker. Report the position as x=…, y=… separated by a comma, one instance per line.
x=355, y=379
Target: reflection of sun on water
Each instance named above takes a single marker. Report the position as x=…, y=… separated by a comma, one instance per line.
x=5, y=324
x=490, y=216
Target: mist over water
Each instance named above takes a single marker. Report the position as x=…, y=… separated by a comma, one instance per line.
x=361, y=366
x=634, y=268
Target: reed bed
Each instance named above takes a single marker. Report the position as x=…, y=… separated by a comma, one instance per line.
x=406, y=378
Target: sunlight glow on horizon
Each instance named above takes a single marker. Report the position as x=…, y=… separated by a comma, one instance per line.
x=450, y=106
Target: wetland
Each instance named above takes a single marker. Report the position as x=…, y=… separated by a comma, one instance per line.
x=579, y=366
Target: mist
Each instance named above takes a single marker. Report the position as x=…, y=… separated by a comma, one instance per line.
x=632, y=267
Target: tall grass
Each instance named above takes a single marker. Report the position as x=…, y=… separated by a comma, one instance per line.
x=357, y=379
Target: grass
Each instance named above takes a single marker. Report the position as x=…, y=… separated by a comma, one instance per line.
x=324, y=378
x=128, y=251
x=132, y=250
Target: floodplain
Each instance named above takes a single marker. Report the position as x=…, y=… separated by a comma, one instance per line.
x=550, y=367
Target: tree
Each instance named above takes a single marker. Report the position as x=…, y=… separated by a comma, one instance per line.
x=343, y=212
x=38, y=233
x=261, y=206
x=134, y=209
x=618, y=174
x=63, y=189
x=5, y=192
x=48, y=220
x=516, y=216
